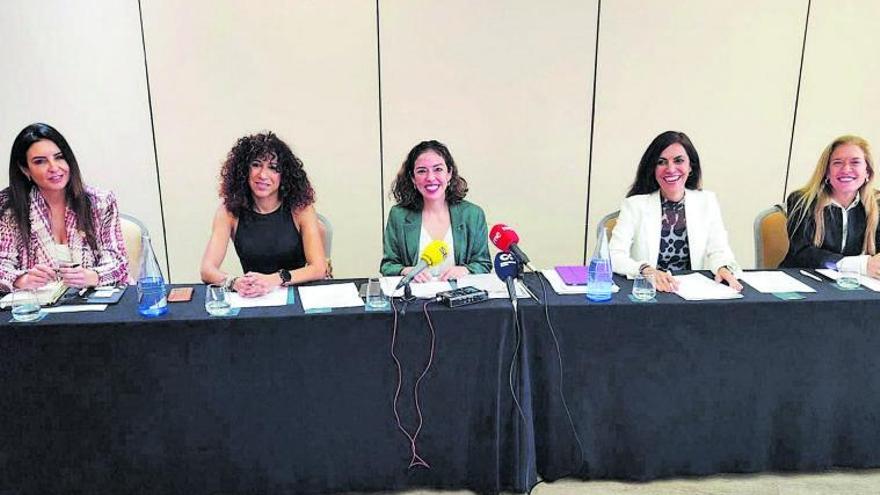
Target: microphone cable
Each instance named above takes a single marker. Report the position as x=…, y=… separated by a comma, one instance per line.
x=518, y=333
x=416, y=459
x=561, y=370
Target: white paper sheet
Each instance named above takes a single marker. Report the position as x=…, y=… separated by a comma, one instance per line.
x=76, y=308
x=490, y=283
x=277, y=297
x=330, y=296
x=770, y=282
x=698, y=287
x=561, y=288
x=869, y=282
x=424, y=290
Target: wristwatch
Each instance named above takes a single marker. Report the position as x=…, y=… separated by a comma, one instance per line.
x=285, y=275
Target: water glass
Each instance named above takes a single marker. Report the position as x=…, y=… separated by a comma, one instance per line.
x=848, y=279
x=376, y=299
x=643, y=287
x=216, y=303
x=25, y=306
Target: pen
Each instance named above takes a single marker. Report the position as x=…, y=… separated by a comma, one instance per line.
x=82, y=291
x=810, y=275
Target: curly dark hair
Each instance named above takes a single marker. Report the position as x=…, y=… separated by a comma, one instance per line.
x=404, y=191
x=295, y=191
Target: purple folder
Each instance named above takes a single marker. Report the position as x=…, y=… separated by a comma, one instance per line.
x=573, y=275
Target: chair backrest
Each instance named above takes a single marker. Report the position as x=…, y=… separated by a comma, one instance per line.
x=326, y=229
x=771, y=237
x=132, y=230
x=609, y=221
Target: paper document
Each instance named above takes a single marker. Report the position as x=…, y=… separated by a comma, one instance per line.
x=698, y=287
x=561, y=288
x=490, y=283
x=277, y=297
x=76, y=308
x=424, y=290
x=770, y=282
x=869, y=282
x=330, y=296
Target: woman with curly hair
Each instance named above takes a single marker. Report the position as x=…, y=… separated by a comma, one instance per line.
x=430, y=206
x=268, y=213
x=51, y=224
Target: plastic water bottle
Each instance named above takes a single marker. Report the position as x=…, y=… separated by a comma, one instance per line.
x=599, y=280
x=151, y=284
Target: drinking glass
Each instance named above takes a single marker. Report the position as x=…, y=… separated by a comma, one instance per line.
x=643, y=287
x=375, y=297
x=216, y=303
x=25, y=306
x=848, y=279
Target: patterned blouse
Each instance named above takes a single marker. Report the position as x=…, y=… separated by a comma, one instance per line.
x=675, y=254
x=17, y=255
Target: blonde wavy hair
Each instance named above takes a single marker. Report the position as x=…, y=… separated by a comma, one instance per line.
x=817, y=194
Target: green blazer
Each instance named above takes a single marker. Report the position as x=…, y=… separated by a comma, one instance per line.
x=469, y=234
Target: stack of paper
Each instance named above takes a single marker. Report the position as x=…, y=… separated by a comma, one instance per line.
x=770, y=282
x=329, y=296
x=698, y=287
x=489, y=282
x=869, y=282
x=277, y=297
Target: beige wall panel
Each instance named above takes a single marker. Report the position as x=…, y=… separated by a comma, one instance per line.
x=306, y=70
x=723, y=72
x=79, y=66
x=839, y=86
x=507, y=85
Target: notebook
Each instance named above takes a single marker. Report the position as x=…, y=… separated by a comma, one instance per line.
x=573, y=275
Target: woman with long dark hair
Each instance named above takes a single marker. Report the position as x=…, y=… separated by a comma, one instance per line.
x=667, y=222
x=268, y=212
x=430, y=206
x=52, y=226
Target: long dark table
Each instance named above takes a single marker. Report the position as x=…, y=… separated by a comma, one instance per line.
x=278, y=401
x=679, y=388
x=270, y=401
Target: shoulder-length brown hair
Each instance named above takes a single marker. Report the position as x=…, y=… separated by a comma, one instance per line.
x=404, y=191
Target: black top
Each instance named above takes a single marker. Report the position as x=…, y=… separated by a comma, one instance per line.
x=801, y=251
x=674, y=253
x=266, y=243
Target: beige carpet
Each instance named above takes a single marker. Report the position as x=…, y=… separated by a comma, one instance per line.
x=830, y=483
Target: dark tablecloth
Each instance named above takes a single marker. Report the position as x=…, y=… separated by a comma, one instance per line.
x=270, y=401
x=679, y=388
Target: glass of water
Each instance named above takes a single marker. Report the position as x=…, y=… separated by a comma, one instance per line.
x=216, y=303
x=848, y=279
x=375, y=297
x=25, y=306
x=643, y=287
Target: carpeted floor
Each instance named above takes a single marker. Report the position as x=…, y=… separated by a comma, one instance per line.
x=831, y=483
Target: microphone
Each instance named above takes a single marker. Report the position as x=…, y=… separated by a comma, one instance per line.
x=505, y=239
x=434, y=254
x=507, y=267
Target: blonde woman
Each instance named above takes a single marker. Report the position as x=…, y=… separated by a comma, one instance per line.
x=833, y=220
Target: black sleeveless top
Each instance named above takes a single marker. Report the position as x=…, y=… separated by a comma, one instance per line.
x=266, y=243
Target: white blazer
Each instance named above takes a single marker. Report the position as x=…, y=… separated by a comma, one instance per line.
x=636, y=237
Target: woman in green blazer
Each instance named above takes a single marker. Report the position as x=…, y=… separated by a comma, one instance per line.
x=430, y=206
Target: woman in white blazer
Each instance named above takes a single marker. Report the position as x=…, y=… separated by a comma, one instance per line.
x=667, y=223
